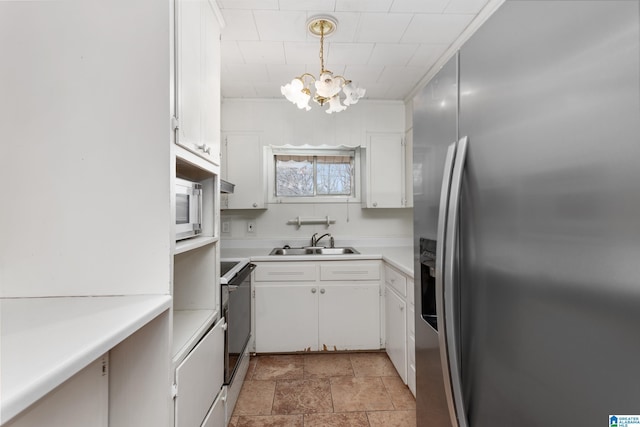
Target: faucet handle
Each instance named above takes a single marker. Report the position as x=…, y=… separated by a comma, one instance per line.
x=332, y=242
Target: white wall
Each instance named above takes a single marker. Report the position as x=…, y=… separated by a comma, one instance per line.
x=279, y=123
x=85, y=159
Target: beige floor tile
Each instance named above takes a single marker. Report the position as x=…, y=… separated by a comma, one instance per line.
x=233, y=421
x=400, y=394
x=345, y=419
x=256, y=398
x=278, y=367
x=327, y=365
x=252, y=367
x=271, y=421
x=302, y=396
x=372, y=365
x=392, y=418
x=359, y=394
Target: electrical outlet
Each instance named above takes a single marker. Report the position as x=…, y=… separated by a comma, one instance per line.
x=226, y=227
x=251, y=227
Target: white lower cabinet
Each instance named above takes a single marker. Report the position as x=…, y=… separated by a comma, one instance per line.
x=87, y=392
x=216, y=416
x=199, y=378
x=399, y=324
x=411, y=337
x=396, y=331
x=350, y=316
x=322, y=306
x=286, y=317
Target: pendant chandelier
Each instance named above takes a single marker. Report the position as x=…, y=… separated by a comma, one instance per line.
x=327, y=86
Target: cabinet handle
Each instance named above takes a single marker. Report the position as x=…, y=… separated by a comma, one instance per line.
x=401, y=308
x=322, y=291
x=205, y=148
x=255, y=205
x=314, y=290
x=375, y=204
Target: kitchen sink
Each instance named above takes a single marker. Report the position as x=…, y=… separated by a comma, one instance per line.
x=293, y=251
x=336, y=251
x=314, y=251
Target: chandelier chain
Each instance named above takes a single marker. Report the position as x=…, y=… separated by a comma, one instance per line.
x=321, y=47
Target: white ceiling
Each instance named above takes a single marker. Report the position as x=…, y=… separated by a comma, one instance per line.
x=385, y=46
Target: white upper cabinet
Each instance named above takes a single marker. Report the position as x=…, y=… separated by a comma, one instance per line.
x=198, y=78
x=243, y=165
x=384, y=171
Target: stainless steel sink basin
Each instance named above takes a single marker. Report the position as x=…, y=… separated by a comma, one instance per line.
x=314, y=251
x=336, y=251
x=292, y=251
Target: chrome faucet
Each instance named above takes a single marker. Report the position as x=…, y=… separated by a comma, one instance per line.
x=314, y=241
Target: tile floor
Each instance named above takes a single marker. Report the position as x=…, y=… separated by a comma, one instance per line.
x=324, y=390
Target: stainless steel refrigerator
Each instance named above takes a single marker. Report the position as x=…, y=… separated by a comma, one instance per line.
x=527, y=221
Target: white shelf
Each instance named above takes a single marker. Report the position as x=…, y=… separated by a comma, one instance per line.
x=188, y=327
x=45, y=341
x=194, y=243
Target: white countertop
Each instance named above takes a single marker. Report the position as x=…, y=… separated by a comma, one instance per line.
x=401, y=257
x=45, y=341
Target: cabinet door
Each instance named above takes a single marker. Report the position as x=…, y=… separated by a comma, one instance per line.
x=349, y=316
x=396, y=331
x=81, y=401
x=243, y=166
x=199, y=378
x=411, y=354
x=198, y=78
x=286, y=317
x=385, y=167
x=216, y=415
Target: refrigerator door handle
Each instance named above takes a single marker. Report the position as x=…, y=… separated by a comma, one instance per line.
x=439, y=279
x=450, y=290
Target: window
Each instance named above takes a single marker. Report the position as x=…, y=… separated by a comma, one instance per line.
x=315, y=174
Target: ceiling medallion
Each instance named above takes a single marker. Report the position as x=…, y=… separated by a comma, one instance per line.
x=327, y=86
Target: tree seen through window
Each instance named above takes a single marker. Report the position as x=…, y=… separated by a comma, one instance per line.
x=308, y=176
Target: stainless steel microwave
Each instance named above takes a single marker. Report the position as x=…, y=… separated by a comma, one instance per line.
x=188, y=209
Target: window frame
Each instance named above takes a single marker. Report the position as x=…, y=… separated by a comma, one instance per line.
x=307, y=150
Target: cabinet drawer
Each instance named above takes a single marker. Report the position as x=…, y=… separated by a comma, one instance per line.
x=199, y=378
x=350, y=271
x=396, y=280
x=285, y=273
